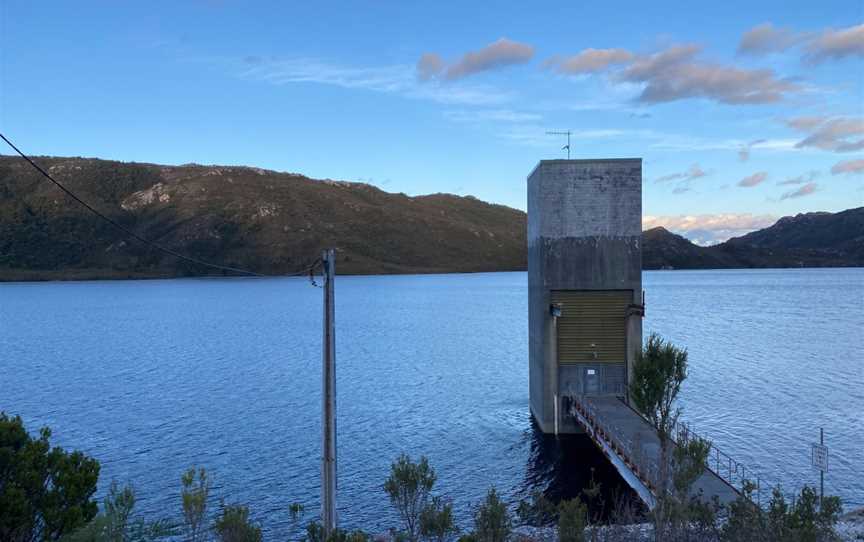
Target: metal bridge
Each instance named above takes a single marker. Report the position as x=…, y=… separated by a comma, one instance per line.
x=631, y=444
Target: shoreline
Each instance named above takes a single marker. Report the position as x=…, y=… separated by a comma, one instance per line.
x=27, y=277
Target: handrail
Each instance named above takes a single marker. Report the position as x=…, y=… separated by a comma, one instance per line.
x=726, y=468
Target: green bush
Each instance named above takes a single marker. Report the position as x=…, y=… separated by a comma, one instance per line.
x=537, y=511
x=492, y=521
x=572, y=520
x=801, y=521
x=436, y=521
x=233, y=525
x=315, y=533
x=194, y=496
x=115, y=524
x=409, y=487
x=45, y=492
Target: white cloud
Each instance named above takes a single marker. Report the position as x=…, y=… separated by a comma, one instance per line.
x=429, y=66
x=693, y=172
x=848, y=167
x=753, y=180
x=800, y=179
x=805, y=190
x=674, y=74
x=837, y=44
x=744, y=151
x=766, y=38
x=395, y=79
x=589, y=61
x=839, y=134
x=500, y=54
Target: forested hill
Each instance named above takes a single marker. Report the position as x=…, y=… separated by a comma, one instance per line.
x=273, y=222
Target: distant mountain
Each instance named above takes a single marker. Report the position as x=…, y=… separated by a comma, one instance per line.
x=243, y=217
x=274, y=223
x=809, y=239
x=662, y=249
x=804, y=240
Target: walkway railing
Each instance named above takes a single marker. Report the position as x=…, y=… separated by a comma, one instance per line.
x=631, y=451
x=628, y=449
x=722, y=464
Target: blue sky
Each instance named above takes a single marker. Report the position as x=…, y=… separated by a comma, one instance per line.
x=740, y=110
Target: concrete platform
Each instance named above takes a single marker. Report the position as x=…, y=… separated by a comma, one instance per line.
x=632, y=445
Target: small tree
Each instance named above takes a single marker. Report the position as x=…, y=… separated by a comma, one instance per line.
x=492, y=521
x=658, y=373
x=802, y=521
x=195, y=493
x=690, y=458
x=115, y=523
x=436, y=521
x=315, y=533
x=409, y=487
x=233, y=525
x=45, y=492
x=536, y=511
x=572, y=520
x=811, y=521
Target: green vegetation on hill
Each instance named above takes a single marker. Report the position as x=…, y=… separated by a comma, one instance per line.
x=276, y=223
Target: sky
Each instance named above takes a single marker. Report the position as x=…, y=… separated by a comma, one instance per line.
x=742, y=112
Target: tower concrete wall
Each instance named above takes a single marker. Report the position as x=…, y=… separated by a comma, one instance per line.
x=584, y=233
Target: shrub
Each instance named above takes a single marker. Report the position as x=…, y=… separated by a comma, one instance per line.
x=115, y=524
x=195, y=492
x=537, y=511
x=436, y=521
x=408, y=487
x=802, y=521
x=315, y=533
x=233, y=525
x=572, y=520
x=45, y=492
x=492, y=521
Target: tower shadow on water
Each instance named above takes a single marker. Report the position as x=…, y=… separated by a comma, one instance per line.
x=564, y=467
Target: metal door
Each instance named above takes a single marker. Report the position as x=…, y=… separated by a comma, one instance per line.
x=590, y=382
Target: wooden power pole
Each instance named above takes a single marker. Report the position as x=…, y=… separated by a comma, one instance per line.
x=328, y=410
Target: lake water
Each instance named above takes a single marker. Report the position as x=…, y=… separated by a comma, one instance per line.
x=151, y=377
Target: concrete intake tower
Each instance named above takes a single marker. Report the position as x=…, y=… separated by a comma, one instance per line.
x=585, y=301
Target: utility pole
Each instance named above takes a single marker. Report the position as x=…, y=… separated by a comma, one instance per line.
x=567, y=146
x=328, y=410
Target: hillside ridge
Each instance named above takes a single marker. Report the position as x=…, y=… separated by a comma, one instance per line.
x=275, y=222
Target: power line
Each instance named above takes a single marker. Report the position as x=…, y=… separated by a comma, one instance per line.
x=137, y=237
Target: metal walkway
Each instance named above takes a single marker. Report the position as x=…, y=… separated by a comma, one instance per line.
x=632, y=446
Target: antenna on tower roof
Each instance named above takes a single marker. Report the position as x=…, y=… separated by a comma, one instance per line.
x=567, y=146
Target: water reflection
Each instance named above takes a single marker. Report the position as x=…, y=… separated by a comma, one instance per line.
x=565, y=467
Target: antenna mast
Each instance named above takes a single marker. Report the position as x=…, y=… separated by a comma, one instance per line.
x=567, y=146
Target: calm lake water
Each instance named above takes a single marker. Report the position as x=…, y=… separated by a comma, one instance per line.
x=151, y=377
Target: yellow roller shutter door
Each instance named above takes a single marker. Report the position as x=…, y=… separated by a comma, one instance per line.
x=592, y=322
